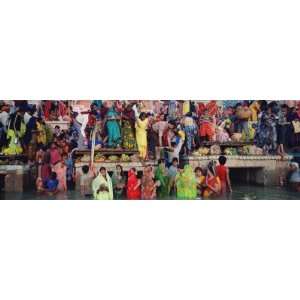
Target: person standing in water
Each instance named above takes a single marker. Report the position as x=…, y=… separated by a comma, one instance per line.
x=212, y=182
x=118, y=181
x=222, y=172
x=102, y=186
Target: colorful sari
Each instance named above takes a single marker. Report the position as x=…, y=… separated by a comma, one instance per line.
x=161, y=175
x=117, y=181
x=16, y=130
x=102, y=187
x=186, y=184
x=133, y=193
x=148, y=185
x=141, y=136
x=215, y=182
x=113, y=128
x=61, y=172
x=128, y=137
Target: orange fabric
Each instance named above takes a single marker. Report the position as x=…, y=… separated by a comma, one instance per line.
x=212, y=181
x=206, y=129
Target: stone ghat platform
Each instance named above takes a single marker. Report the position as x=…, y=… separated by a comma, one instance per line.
x=257, y=169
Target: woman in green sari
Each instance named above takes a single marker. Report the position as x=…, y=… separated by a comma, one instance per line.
x=186, y=184
x=113, y=128
x=161, y=176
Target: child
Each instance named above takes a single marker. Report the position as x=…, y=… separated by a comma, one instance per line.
x=86, y=181
x=200, y=181
x=172, y=172
x=223, y=173
x=52, y=184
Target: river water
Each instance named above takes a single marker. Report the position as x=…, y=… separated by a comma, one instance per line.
x=240, y=192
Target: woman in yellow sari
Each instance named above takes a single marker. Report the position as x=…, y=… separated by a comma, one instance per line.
x=141, y=126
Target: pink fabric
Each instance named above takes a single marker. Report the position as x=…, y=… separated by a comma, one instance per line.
x=61, y=172
x=54, y=156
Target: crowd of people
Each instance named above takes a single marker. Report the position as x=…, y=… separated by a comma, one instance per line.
x=178, y=127
x=173, y=182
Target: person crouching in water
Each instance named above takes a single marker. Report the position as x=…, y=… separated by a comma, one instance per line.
x=52, y=184
x=212, y=182
x=102, y=186
x=222, y=172
x=200, y=181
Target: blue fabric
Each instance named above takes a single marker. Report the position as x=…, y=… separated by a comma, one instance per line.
x=52, y=184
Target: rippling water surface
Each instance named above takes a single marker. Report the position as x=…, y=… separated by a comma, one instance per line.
x=240, y=192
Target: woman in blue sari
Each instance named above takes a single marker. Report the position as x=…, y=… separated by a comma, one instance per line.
x=113, y=128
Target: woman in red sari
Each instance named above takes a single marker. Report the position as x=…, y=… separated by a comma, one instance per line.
x=133, y=185
x=212, y=181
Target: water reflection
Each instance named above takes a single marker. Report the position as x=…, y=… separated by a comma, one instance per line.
x=240, y=192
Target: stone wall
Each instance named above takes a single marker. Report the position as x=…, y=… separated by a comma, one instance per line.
x=264, y=170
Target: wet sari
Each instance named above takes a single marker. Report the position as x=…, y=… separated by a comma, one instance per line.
x=186, y=184
x=117, y=181
x=161, y=175
x=102, y=188
x=148, y=185
x=133, y=193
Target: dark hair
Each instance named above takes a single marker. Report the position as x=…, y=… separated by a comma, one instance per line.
x=198, y=169
x=174, y=159
x=284, y=106
x=120, y=168
x=53, y=176
x=222, y=160
x=56, y=126
x=161, y=161
x=102, y=169
x=133, y=169
x=143, y=115
x=85, y=169
x=211, y=167
x=172, y=122
x=173, y=144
